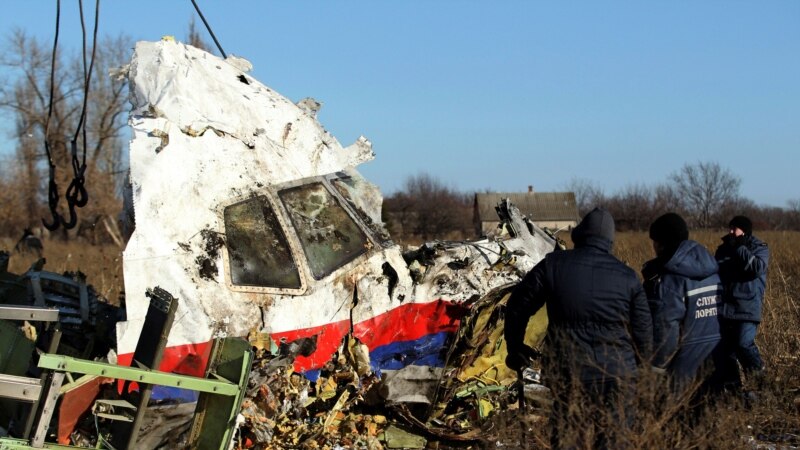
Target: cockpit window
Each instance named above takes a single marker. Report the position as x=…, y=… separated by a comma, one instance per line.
x=330, y=238
x=349, y=191
x=258, y=253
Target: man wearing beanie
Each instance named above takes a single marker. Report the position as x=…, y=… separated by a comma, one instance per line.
x=685, y=297
x=743, y=261
x=599, y=329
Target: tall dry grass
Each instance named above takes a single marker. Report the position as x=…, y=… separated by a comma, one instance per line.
x=659, y=420
x=102, y=264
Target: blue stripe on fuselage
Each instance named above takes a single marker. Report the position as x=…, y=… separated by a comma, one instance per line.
x=429, y=350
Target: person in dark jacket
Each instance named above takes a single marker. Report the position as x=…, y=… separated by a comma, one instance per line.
x=743, y=261
x=599, y=326
x=685, y=296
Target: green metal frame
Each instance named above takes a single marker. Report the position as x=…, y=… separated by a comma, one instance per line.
x=220, y=399
x=68, y=364
x=23, y=444
x=215, y=417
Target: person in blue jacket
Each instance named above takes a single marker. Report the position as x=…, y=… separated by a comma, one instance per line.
x=599, y=329
x=743, y=261
x=685, y=296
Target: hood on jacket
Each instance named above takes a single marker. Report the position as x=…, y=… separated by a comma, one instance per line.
x=692, y=260
x=596, y=229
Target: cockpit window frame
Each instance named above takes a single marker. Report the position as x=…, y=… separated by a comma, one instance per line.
x=365, y=238
x=377, y=239
x=296, y=252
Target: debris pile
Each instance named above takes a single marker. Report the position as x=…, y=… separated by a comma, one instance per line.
x=346, y=405
x=477, y=382
x=284, y=409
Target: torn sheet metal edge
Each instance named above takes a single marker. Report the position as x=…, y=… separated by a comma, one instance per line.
x=226, y=145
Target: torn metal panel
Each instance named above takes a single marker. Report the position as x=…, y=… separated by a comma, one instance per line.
x=256, y=217
x=76, y=399
x=254, y=149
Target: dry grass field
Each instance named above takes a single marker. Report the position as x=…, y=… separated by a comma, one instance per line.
x=102, y=264
x=771, y=421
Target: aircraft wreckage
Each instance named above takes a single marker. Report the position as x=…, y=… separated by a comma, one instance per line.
x=255, y=220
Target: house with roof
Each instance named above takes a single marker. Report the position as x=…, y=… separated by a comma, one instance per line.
x=553, y=210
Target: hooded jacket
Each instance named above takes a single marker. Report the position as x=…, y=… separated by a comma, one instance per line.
x=599, y=322
x=685, y=297
x=743, y=269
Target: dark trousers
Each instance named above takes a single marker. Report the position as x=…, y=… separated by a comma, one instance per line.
x=738, y=337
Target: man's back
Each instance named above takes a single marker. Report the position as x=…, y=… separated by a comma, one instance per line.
x=743, y=269
x=598, y=322
x=598, y=312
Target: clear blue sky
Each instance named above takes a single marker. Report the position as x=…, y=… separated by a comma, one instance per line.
x=502, y=95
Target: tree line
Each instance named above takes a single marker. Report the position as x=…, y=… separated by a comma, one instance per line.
x=705, y=193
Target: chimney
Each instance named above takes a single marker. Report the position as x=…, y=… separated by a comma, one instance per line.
x=530, y=189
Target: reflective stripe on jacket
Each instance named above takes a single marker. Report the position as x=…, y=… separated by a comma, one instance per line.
x=685, y=297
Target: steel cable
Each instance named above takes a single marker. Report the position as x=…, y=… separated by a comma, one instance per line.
x=52, y=193
x=208, y=27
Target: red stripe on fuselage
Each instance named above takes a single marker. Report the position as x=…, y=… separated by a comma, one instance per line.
x=189, y=359
x=409, y=322
x=329, y=337
x=405, y=323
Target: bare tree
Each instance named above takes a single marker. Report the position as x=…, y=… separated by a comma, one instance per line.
x=705, y=188
x=794, y=213
x=587, y=194
x=665, y=200
x=770, y=217
x=194, y=38
x=735, y=206
x=426, y=208
x=25, y=96
x=632, y=207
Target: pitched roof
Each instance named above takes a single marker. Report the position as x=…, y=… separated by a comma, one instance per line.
x=538, y=206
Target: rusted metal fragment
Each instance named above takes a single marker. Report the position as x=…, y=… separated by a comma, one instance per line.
x=77, y=399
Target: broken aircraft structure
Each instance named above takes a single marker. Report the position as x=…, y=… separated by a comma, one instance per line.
x=256, y=220
x=254, y=216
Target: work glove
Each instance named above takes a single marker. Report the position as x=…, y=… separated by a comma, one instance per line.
x=729, y=239
x=520, y=357
x=735, y=241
